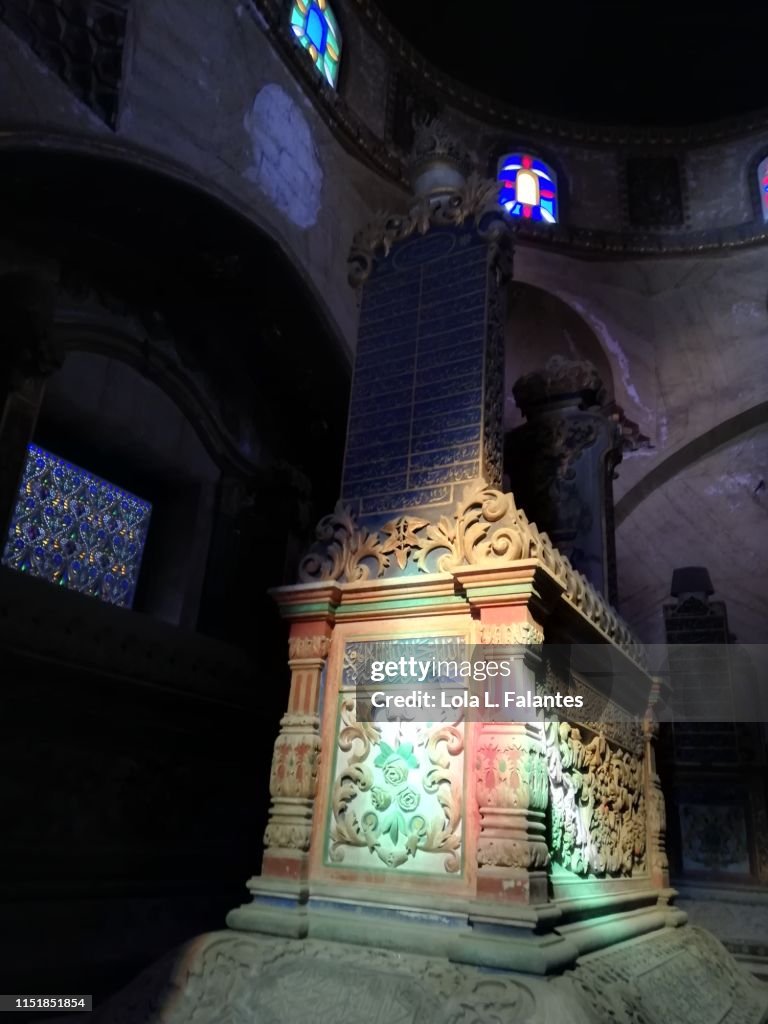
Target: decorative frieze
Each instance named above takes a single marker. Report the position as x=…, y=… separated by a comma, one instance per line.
x=511, y=635
x=486, y=528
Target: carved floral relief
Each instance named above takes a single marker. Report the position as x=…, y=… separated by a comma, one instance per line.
x=396, y=800
x=597, y=804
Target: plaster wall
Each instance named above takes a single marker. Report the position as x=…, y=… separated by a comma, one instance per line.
x=192, y=73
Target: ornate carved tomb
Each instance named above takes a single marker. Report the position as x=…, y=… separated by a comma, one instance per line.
x=405, y=857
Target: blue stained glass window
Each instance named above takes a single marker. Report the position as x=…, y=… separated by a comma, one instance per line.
x=76, y=530
x=528, y=188
x=314, y=25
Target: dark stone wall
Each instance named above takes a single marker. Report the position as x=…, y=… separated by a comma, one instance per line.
x=130, y=753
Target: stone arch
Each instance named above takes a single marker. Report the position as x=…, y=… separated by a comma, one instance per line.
x=181, y=290
x=541, y=325
x=69, y=147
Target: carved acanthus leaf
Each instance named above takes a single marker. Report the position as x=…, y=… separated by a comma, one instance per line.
x=343, y=550
x=511, y=634
x=486, y=528
x=306, y=647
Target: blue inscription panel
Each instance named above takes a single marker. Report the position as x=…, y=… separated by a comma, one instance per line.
x=416, y=415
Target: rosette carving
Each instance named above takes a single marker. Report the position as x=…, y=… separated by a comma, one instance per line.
x=399, y=799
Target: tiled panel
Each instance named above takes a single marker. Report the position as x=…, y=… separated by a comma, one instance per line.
x=416, y=414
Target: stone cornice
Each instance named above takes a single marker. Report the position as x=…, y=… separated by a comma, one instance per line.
x=358, y=139
x=500, y=114
x=661, y=243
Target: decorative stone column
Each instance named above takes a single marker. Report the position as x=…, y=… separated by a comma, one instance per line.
x=279, y=893
x=510, y=772
x=561, y=465
x=656, y=813
x=293, y=779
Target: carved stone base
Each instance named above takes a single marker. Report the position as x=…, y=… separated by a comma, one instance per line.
x=674, y=976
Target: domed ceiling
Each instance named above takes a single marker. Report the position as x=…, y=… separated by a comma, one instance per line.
x=654, y=62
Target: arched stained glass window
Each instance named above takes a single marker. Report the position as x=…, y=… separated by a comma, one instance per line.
x=528, y=187
x=315, y=26
x=762, y=178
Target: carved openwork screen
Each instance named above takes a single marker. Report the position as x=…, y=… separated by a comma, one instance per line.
x=73, y=529
x=314, y=25
x=528, y=188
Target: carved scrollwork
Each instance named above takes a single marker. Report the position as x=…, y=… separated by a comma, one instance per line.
x=401, y=799
x=486, y=528
x=476, y=197
x=344, y=550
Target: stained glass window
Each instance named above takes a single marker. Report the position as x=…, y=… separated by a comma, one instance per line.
x=528, y=187
x=315, y=26
x=76, y=530
x=762, y=177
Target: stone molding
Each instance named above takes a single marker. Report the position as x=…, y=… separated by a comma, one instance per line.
x=386, y=159
x=500, y=113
